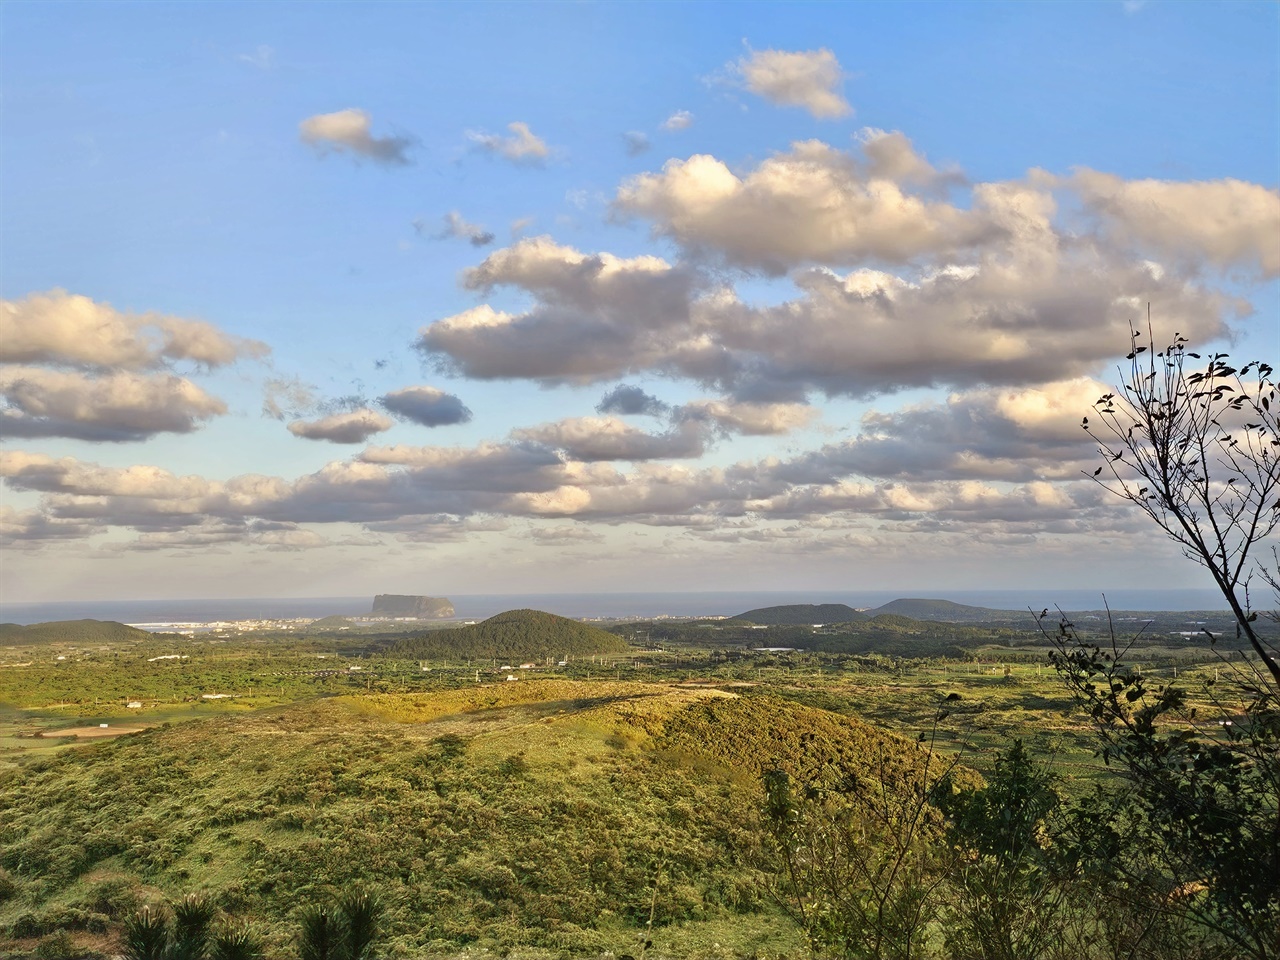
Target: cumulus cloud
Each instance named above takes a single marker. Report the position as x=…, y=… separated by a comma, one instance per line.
x=426, y=406
x=73, y=367
x=591, y=439
x=456, y=226
x=592, y=316
x=890, y=155
x=348, y=131
x=796, y=78
x=522, y=146
x=41, y=472
x=680, y=120
x=63, y=329
x=1030, y=306
x=995, y=434
x=635, y=142
x=112, y=407
x=355, y=426
x=631, y=400
x=1227, y=222
x=813, y=203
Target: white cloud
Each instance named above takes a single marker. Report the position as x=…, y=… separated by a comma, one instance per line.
x=796, y=78
x=355, y=426
x=1227, y=222
x=522, y=146
x=349, y=131
x=812, y=204
x=64, y=329
x=680, y=120
x=113, y=407
x=593, y=317
x=40, y=472
x=1027, y=306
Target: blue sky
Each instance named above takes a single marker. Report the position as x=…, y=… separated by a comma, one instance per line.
x=858, y=266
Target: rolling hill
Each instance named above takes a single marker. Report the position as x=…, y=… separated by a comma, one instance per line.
x=71, y=631
x=555, y=814
x=513, y=635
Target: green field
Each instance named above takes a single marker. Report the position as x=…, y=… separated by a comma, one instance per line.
x=582, y=810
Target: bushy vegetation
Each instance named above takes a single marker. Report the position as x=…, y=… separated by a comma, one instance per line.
x=551, y=825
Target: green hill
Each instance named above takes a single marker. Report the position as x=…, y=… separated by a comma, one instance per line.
x=71, y=631
x=944, y=610
x=798, y=614
x=513, y=635
x=554, y=814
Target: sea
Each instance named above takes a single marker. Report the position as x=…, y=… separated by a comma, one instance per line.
x=477, y=606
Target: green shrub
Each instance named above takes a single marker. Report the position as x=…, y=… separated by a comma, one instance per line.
x=56, y=946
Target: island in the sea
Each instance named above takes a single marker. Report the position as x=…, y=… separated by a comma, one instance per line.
x=420, y=608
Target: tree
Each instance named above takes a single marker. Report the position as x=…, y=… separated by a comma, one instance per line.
x=1196, y=830
x=1009, y=904
x=1198, y=451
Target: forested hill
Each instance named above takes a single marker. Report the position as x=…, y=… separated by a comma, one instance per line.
x=71, y=631
x=514, y=635
x=802, y=614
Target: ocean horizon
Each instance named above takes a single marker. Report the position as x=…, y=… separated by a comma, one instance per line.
x=604, y=605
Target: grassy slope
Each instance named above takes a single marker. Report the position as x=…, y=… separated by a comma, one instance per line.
x=537, y=813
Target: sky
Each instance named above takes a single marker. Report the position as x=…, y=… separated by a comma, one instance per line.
x=327, y=299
